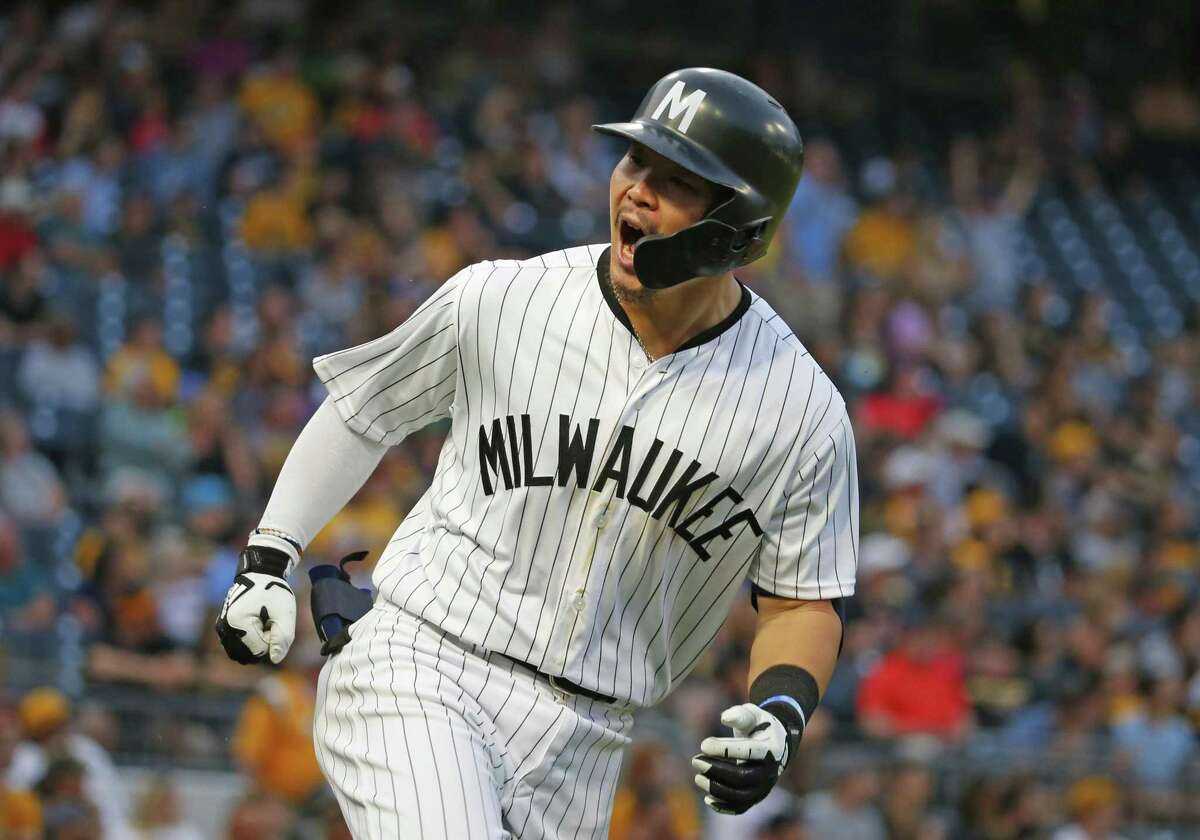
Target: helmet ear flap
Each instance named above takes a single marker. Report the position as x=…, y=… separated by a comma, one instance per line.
x=705, y=249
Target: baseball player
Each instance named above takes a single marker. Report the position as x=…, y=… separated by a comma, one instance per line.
x=633, y=433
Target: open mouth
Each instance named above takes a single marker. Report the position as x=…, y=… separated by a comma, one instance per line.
x=629, y=233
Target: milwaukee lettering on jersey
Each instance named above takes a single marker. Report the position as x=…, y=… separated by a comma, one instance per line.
x=510, y=460
x=594, y=512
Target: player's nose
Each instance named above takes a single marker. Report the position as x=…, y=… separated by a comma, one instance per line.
x=642, y=193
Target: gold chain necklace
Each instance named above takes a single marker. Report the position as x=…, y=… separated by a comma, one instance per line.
x=641, y=343
x=632, y=328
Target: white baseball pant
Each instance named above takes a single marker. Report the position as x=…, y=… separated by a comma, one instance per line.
x=426, y=737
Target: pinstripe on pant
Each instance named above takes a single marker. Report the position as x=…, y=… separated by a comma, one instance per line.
x=425, y=736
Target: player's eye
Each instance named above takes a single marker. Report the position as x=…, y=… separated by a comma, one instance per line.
x=683, y=183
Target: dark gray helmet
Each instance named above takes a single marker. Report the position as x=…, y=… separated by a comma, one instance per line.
x=729, y=132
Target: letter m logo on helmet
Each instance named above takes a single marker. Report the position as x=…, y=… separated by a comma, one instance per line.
x=675, y=103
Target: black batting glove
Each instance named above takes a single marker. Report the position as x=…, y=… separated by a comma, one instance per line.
x=737, y=773
x=257, y=622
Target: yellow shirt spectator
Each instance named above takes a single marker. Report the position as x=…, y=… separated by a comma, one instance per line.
x=653, y=802
x=282, y=106
x=367, y=525
x=133, y=364
x=275, y=222
x=273, y=742
x=881, y=242
x=678, y=808
x=20, y=815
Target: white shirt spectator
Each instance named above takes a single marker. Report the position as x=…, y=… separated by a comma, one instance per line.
x=20, y=120
x=826, y=816
x=63, y=377
x=101, y=784
x=30, y=489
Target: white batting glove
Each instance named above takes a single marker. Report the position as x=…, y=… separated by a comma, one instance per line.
x=258, y=619
x=736, y=773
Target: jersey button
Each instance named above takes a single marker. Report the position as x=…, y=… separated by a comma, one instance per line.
x=578, y=600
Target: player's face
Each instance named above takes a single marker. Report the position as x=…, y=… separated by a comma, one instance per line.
x=649, y=194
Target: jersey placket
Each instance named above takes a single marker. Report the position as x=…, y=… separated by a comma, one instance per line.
x=600, y=511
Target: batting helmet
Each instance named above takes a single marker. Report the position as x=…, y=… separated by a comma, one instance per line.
x=729, y=132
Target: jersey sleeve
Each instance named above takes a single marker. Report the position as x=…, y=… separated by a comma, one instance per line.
x=388, y=388
x=810, y=547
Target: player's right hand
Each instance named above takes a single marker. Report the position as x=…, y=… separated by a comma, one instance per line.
x=737, y=773
x=258, y=619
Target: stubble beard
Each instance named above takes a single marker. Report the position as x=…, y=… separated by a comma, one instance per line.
x=625, y=295
x=636, y=296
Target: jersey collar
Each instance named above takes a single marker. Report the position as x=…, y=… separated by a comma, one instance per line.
x=703, y=337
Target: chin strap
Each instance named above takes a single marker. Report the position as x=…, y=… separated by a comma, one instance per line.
x=706, y=249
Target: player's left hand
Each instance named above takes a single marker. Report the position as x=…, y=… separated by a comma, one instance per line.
x=736, y=773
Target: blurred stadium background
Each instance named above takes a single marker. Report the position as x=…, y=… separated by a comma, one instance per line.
x=993, y=252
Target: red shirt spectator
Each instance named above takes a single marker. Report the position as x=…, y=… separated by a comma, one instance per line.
x=904, y=407
x=917, y=688
x=16, y=240
x=17, y=236
x=903, y=416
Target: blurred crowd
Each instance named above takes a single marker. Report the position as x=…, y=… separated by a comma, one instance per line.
x=196, y=198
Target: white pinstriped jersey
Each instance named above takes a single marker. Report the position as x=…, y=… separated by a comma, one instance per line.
x=593, y=512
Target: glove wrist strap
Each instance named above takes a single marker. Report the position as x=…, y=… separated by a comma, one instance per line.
x=271, y=538
x=263, y=560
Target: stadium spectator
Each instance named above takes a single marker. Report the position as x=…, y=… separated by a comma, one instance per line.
x=273, y=738
x=821, y=214
x=58, y=371
x=217, y=449
x=918, y=687
x=260, y=817
x=988, y=210
x=158, y=815
x=1156, y=741
x=653, y=803
x=140, y=431
x=1094, y=804
x=278, y=101
x=69, y=813
x=367, y=523
x=907, y=803
x=75, y=778
x=30, y=488
x=70, y=245
x=20, y=809
x=27, y=595
x=18, y=239
x=142, y=358
x=882, y=241
x=117, y=604
x=23, y=304
x=849, y=808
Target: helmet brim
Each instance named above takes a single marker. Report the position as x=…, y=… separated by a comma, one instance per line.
x=677, y=148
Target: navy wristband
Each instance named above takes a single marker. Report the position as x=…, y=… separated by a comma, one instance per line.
x=791, y=694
